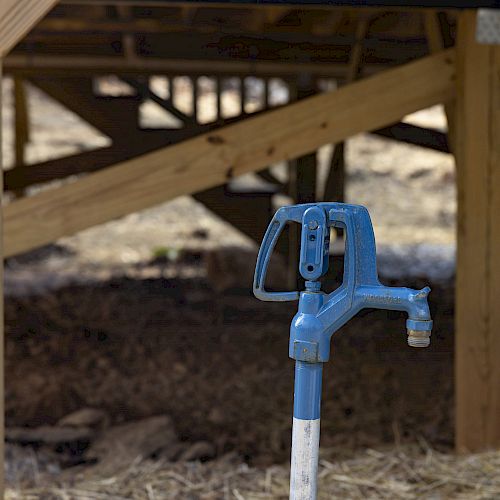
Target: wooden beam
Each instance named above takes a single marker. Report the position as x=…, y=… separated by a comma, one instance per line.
x=17, y=17
x=436, y=43
x=356, y=56
x=18, y=178
x=234, y=208
x=2, y=392
x=35, y=64
x=272, y=14
x=418, y=136
x=477, y=347
x=218, y=97
x=334, y=186
x=335, y=181
x=108, y=114
x=433, y=32
x=215, y=157
x=302, y=181
x=21, y=121
x=167, y=104
x=129, y=24
x=134, y=143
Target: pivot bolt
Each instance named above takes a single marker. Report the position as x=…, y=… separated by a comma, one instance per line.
x=312, y=224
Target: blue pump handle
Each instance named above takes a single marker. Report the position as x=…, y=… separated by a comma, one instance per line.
x=360, y=256
x=275, y=228
x=315, y=243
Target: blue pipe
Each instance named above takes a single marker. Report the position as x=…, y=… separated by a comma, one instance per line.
x=307, y=393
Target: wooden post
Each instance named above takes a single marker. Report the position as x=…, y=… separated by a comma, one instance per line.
x=302, y=174
x=303, y=169
x=478, y=247
x=21, y=122
x=243, y=95
x=436, y=42
x=267, y=104
x=218, y=97
x=21, y=126
x=335, y=182
x=1, y=311
x=194, y=83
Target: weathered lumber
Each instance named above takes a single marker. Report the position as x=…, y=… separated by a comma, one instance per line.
x=21, y=121
x=335, y=181
x=133, y=143
x=334, y=185
x=215, y=157
x=17, y=17
x=477, y=347
x=112, y=116
x=235, y=207
x=19, y=178
x=34, y=64
x=302, y=185
x=166, y=104
x=2, y=392
x=418, y=136
x=433, y=24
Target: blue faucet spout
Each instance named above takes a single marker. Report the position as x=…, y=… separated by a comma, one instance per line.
x=414, y=302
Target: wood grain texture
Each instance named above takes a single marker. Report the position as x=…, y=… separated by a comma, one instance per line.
x=213, y=158
x=335, y=181
x=17, y=18
x=478, y=245
x=2, y=425
x=435, y=40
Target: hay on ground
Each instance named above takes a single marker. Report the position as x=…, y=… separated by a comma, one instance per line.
x=409, y=472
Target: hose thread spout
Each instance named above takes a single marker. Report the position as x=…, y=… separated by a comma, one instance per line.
x=419, y=338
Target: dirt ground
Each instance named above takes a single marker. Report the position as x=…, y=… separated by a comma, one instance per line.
x=218, y=365
x=124, y=318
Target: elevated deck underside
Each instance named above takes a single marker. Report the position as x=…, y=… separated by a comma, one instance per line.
x=405, y=59
x=310, y=49
x=205, y=39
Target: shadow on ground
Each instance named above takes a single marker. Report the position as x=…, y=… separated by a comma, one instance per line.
x=218, y=365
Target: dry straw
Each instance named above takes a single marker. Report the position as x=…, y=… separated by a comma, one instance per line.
x=396, y=473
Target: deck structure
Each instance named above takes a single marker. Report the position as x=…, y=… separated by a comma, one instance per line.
x=385, y=61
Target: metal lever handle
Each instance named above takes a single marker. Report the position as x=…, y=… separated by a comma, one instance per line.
x=315, y=239
x=280, y=219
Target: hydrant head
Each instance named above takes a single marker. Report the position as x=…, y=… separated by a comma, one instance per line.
x=319, y=314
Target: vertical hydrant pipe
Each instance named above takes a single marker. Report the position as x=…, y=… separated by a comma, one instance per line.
x=305, y=431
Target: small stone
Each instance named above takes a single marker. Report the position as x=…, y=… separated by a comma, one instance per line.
x=86, y=417
x=119, y=446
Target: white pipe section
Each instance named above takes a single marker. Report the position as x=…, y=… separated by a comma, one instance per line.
x=304, y=469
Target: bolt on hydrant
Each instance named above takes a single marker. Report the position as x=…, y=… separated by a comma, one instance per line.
x=321, y=314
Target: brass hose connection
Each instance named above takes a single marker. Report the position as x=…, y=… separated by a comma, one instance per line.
x=419, y=338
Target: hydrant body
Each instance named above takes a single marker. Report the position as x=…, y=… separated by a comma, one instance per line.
x=321, y=314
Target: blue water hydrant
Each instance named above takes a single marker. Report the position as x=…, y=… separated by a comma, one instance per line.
x=321, y=314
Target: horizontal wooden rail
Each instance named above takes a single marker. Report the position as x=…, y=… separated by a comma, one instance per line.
x=212, y=158
x=36, y=64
